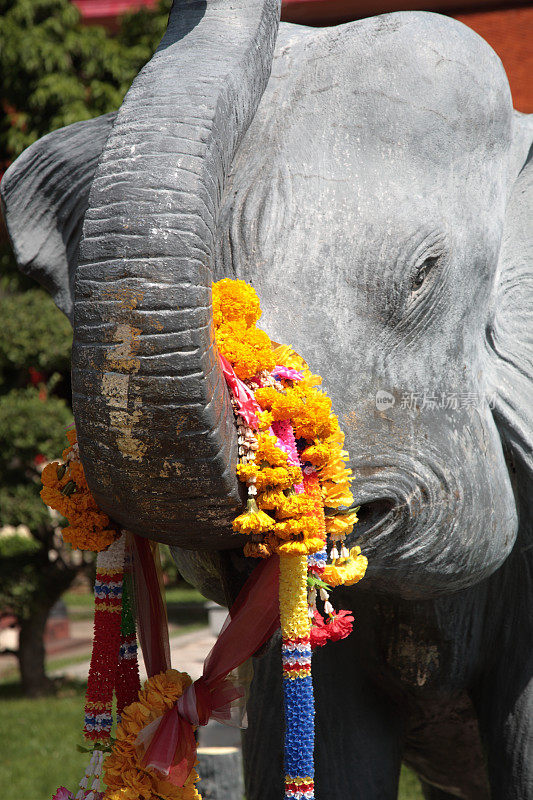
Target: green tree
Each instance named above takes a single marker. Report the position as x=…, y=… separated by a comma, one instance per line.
x=54, y=71
x=35, y=568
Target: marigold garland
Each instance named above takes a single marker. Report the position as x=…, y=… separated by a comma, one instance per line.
x=126, y=776
x=65, y=490
x=294, y=466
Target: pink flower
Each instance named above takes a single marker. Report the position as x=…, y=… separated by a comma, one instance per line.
x=63, y=794
x=287, y=373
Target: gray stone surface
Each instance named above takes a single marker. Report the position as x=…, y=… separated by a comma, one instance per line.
x=220, y=769
x=372, y=182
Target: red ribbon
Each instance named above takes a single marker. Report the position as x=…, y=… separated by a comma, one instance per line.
x=243, y=396
x=170, y=746
x=150, y=610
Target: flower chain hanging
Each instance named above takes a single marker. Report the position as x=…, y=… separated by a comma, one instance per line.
x=292, y=461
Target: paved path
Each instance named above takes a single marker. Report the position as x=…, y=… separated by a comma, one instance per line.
x=187, y=653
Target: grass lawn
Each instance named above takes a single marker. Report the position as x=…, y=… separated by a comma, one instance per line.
x=39, y=739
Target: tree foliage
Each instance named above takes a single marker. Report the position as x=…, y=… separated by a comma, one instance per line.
x=54, y=71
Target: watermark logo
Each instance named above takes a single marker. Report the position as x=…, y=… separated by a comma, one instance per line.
x=433, y=401
x=384, y=400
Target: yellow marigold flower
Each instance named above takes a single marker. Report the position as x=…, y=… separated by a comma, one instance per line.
x=247, y=471
x=265, y=419
x=305, y=526
x=317, y=454
x=280, y=405
x=278, y=477
x=126, y=777
x=294, y=506
x=293, y=548
x=268, y=450
x=311, y=420
x=247, y=349
x=336, y=494
x=235, y=300
x=346, y=571
x=271, y=499
x=341, y=523
x=253, y=520
x=336, y=469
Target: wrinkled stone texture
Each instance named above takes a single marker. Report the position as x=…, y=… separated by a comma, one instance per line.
x=372, y=182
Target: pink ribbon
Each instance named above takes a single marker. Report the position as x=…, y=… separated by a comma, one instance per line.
x=169, y=742
x=243, y=396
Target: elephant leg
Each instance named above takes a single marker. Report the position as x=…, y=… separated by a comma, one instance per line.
x=504, y=702
x=358, y=732
x=358, y=748
x=263, y=740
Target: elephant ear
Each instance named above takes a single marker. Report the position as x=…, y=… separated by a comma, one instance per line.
x=45, y=194
x=510, y=332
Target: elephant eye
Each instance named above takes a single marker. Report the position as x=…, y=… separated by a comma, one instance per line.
x=423, y=272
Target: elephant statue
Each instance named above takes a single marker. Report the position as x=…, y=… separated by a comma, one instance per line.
x=372, y=182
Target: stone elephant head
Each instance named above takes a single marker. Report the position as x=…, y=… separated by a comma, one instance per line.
x=372, y=182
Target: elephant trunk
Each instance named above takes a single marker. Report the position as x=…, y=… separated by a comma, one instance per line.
x=154, y=421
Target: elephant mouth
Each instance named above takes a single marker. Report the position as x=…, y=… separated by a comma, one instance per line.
x=373, y=517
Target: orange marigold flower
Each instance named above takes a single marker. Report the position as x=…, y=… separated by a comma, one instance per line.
x=77, y=473
x=341, y=524
x=88, y=539
x=247, y=349
x=299, y=548
x=307, y=526
x=268, y=450
x=253, y=520
x=247, y=471
x=271, y=499
x=235, y=300
x=336, y=469
x=294, y=506
x=317, y=454
x=49, y=476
